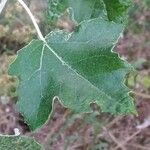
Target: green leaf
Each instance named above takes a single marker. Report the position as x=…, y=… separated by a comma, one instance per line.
x=117, y=9
x=79, y=9
x=79, y=68
x=113, y=10
x=18, y=143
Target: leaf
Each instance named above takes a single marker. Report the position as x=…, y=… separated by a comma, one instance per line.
x=18, y=143
x=113, y=10
x=78, y=67
x=79, y=10
x=117, y=9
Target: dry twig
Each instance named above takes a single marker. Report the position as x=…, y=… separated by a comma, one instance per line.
x=139, y=146
x=119, y=143
x=128, y=139
x=145, y=96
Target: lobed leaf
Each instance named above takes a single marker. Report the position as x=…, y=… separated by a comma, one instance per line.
x=79, y=67
x=112, y=10
x=79, y=10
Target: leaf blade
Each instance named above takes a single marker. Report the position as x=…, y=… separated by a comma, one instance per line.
x=79, y=10
x=76, y=67
x=112, y=10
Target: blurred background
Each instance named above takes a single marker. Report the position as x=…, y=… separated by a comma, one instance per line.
x=67, y=130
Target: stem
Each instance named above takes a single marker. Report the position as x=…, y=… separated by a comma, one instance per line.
x=128, y=139
x=146, y=96
x=33, y=20
x=2, y=5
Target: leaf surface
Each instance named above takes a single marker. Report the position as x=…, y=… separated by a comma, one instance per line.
x=80, y=68
x=117, y=10
x=79, y=10
x=18, y=143
x=113, y=10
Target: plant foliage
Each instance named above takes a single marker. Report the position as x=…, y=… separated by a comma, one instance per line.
x=79, y=67
x=18, y=143
x=80, y=10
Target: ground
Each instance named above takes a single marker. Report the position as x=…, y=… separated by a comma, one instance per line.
x=69, y=131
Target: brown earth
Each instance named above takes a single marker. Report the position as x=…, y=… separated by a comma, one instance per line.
x=68, y=131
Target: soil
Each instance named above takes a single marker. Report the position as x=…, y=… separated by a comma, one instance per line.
x=66, y=130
